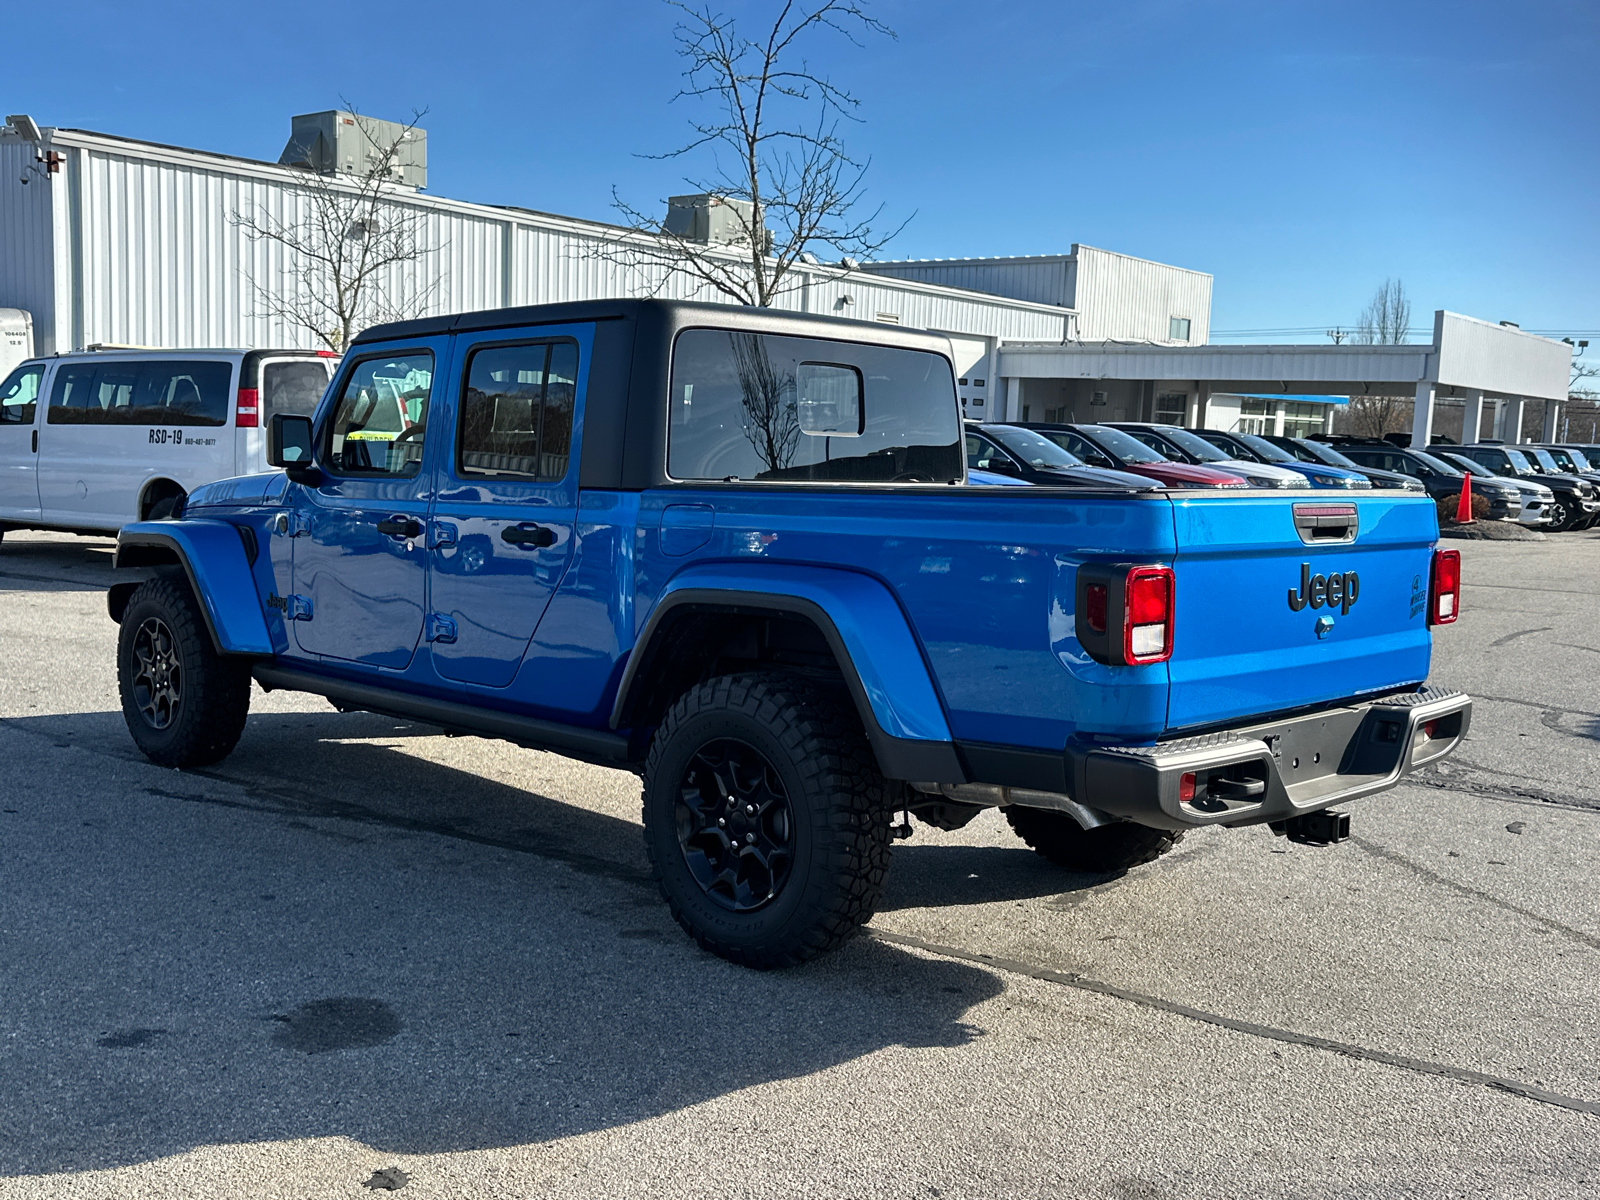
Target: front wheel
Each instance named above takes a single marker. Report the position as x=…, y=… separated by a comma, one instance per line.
x=1560, y=517
x=765, y=818
x=1104, y=850
x=184, y=703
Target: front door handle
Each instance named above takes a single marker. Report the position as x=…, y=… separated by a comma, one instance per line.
x=528, y=534
x=398, y=527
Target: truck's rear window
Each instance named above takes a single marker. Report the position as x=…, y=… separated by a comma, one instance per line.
x=763, y=407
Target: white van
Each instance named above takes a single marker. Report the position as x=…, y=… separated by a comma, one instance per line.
x=92, y=440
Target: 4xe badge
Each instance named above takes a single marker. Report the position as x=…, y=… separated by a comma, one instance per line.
x=1335, y=591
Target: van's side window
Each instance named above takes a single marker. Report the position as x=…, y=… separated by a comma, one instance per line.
x=156, y=392
x=382, y=415
x=516, y=411
x=19, y=395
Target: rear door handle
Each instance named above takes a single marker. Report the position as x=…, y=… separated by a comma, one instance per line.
x=528, y=534
x=399, y=527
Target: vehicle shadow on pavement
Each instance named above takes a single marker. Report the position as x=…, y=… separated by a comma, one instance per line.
x=933, y=876
x=253, y=954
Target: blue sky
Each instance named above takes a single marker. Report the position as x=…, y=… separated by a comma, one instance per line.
x=1300, y=152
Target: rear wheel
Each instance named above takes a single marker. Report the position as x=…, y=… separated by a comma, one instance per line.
x=765, y=818
x=164, y=508
x=184, y=704
x=1106, y=849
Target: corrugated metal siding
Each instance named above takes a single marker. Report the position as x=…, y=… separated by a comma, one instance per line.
x=164, y=263
x=163, y=260
x=1044, y=280
x=1132, y=299
x=27, y=242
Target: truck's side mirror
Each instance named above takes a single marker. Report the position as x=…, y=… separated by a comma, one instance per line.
x=1002, y=466
x=289, y=445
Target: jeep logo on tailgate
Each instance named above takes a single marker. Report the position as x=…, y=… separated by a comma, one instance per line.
x=1336, y=590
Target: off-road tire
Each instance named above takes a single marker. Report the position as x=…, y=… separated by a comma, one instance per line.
x=1104, y=850
x=205, y=722
x=841, y=810
x=164, y=508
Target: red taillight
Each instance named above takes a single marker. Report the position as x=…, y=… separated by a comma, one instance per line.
x=1147, y=626
x=1444, y=588
x=1428, y=727
x=247, y=412
x=327, y=354
x=1094, y=606
x=1186, y=786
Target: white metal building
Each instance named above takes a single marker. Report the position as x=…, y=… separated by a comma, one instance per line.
x=107, y=240
x=115, y=241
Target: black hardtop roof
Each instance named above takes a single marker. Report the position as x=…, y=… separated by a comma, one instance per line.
x=671, y=313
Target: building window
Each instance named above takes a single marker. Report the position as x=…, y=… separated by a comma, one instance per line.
x=1257, y=415
x=1177, y=329
x=1172, y=408
x=1302, y=420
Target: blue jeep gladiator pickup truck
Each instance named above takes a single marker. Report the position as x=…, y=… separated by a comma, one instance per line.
x=731, y=550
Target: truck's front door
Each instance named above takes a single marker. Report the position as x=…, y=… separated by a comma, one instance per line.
x=360, y=570
x=19, y=443
x=502, y=527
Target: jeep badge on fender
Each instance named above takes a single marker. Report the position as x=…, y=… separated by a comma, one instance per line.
x=1336, y=591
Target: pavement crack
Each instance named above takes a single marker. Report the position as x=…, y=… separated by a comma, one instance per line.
x=1402, y=1062
x=1541, y=705
x=1416, y=868
x=1459, y=780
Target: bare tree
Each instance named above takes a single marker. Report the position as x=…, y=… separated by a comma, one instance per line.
x=344, y=236
x=773, y=137
x=771, y=420
x=1386, y=321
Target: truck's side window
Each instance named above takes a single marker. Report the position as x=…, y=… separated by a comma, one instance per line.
x=872, y=414
x=153, y=392
x=982, y=454
x=516, y=411
x=19, y=395
x=382, y=415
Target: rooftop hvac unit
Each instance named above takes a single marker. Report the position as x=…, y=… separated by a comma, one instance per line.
x=712, y=219
x=345, y=143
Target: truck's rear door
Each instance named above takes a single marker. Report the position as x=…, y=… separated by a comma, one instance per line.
x=1283, y=604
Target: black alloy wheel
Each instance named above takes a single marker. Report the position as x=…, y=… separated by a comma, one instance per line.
x=735, y=827
x=1560, y=515
x=765, y=818
x=184, y=703
x=158, y=674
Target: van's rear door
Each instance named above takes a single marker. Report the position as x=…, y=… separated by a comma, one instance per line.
x=1285, y=603
x=283, y=383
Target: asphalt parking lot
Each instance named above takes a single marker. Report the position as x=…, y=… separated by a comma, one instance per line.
x=358, y=945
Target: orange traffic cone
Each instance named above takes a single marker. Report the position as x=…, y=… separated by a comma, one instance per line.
x=1464, y=507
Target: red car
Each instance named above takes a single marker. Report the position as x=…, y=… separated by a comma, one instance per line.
x=1101, y=446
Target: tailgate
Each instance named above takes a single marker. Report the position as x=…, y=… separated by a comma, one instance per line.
x=1254, y=631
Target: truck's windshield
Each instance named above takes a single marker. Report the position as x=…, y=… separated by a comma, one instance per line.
x=763, y=407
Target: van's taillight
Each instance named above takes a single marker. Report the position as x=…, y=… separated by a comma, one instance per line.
x=247, y=412
x=1147, y=628
x=1444, y=587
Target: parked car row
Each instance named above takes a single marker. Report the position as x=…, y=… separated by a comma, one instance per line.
x=1554, y=487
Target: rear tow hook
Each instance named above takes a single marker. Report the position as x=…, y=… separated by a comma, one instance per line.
x=1314, y=829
